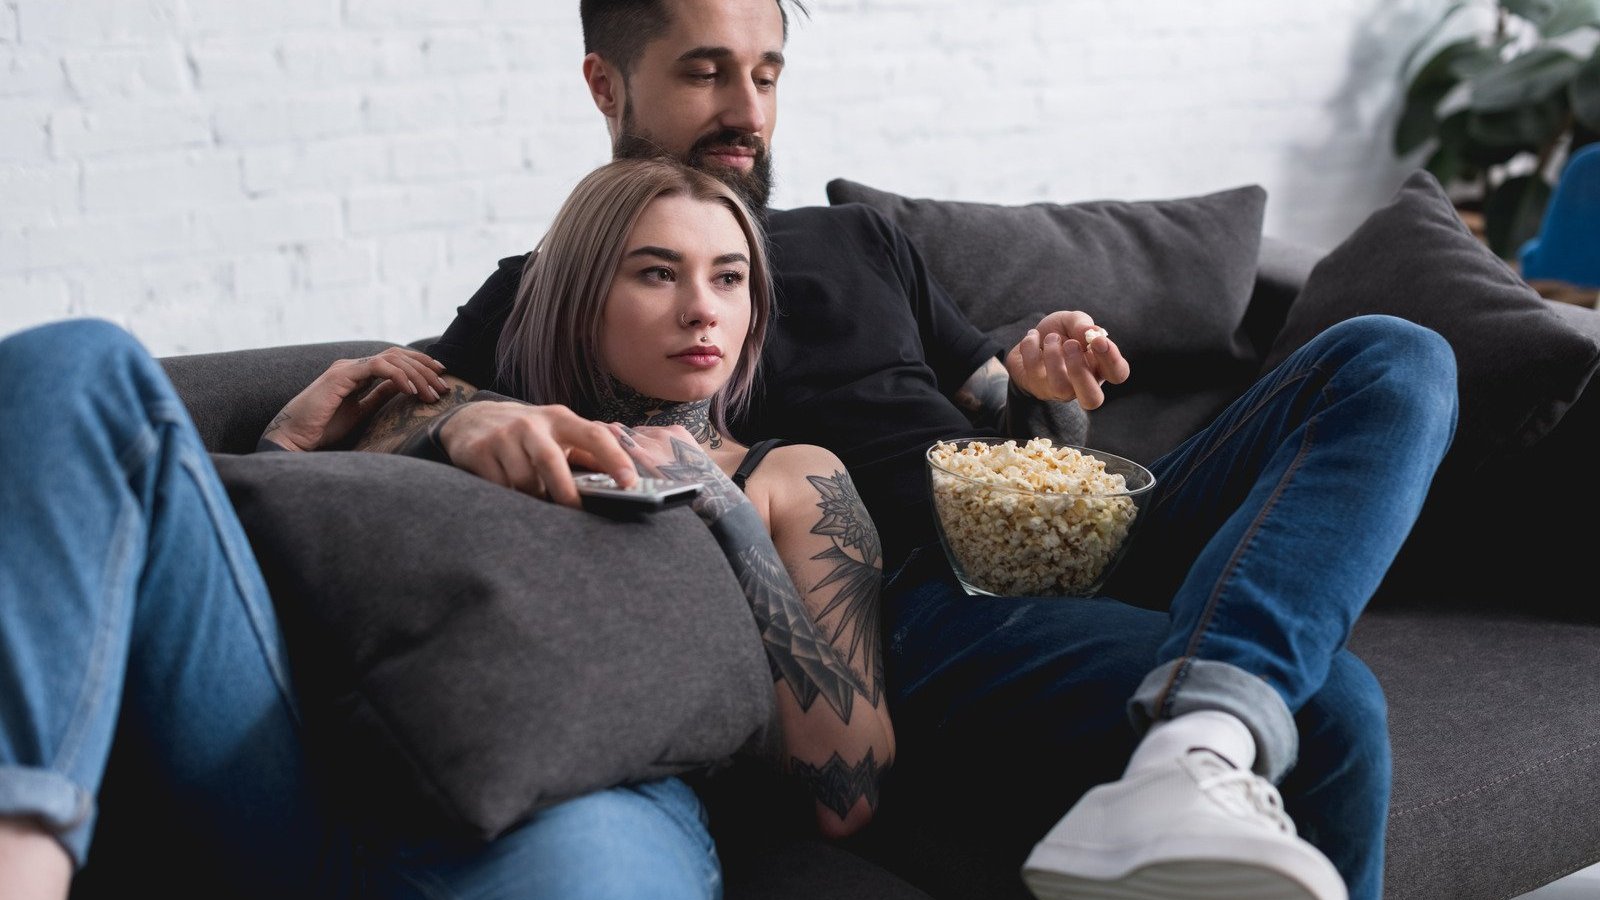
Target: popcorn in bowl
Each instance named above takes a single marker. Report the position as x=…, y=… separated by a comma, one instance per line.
x=1034, y=519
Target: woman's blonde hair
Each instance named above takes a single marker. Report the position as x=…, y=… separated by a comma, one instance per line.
x=549, y=351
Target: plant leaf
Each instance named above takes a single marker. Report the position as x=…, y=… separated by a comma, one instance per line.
x=1514, y=212
x=1527, y=128
x=1427, y=38
x=1526, y=79
x=1572, y=15
x=1482, y=58
x=1585, y=93
x=1420, y=117
x=1447, y=165
x=1535, y=11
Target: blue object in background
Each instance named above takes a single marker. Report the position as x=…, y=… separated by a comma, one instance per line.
x=1567, y=247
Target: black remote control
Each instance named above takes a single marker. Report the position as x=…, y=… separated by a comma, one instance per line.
x=601, y=494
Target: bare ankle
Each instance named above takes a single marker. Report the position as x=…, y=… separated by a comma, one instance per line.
x=33, y=864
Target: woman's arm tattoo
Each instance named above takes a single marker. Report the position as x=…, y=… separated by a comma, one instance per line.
x=838, y=785
x=856, y=574
x=798, y=650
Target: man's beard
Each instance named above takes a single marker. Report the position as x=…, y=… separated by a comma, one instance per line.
x=753, y=187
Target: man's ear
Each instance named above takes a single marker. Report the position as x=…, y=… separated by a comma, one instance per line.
x=605, y=85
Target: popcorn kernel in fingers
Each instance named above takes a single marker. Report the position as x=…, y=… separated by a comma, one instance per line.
x=1094, y=333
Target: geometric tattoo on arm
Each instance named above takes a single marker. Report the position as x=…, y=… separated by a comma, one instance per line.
x=858, y=575
x=838, y=785
x=798, y=652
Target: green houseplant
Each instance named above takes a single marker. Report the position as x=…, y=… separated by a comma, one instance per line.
x=1502, y=106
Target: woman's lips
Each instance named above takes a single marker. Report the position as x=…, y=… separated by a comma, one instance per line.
x=702, y=356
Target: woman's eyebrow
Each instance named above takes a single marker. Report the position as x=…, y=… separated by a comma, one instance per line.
x=658, y=252
x=726, y=258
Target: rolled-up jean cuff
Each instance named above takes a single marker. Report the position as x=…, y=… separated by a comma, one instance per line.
x=49, y=798
x=1190, y=685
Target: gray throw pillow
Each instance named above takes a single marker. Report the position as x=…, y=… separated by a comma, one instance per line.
x=473, y=655
x=1169, y=279
x=1164, y=277
x=1519, y=364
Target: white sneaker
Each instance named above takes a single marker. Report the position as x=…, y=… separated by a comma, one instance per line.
x=1192, y=829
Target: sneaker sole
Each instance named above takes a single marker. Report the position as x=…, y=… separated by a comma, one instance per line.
x=1204, y=868
x=1173, y=880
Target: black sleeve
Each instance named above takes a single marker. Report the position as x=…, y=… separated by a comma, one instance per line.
x=954, y=347
x=467, y=347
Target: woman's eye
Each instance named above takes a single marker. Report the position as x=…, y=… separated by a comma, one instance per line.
x=730, y=279
x=658, y=273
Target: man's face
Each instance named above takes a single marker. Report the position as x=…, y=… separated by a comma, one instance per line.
x=706, y=92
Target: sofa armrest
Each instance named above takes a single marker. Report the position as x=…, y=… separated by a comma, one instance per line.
x=232, y=395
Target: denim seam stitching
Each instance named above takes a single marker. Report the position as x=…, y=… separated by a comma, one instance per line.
x=1169, y=692
x=236, y=570
x=1286, y=384
x=135, y=454
x=1209, y=614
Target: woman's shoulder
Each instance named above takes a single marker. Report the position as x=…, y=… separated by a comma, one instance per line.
x=794, y=461
x=797, y=488
x=797, y=476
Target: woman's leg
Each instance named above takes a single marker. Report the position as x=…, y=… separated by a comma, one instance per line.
x=134, y=614
x=644, y=841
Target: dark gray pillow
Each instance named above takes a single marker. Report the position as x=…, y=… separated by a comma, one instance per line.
x=1519, y=364
x=479, y=654
x=1162, y=276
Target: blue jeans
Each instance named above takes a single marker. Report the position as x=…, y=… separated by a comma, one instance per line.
x=135, y=628
x=1267, y=534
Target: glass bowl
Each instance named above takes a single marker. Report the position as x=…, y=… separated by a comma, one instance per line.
x=1034, y=518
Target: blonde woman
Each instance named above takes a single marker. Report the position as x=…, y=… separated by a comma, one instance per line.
x=636, y=332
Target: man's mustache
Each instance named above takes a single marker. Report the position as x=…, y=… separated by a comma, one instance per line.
x=728, y=138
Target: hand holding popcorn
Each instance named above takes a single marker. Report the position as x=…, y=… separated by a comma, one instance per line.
x=1053, y=361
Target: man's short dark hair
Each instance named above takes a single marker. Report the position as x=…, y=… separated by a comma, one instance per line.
x=619, y=30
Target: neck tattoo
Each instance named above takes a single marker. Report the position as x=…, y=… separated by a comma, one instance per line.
x=628, y=406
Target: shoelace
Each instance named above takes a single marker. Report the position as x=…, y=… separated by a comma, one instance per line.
x=1247, y=795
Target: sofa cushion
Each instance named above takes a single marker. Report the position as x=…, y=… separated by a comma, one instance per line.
x=1162, y=276
x=1169, y=279
x=1492, y=717
x=1519, y=364
x=477, y=654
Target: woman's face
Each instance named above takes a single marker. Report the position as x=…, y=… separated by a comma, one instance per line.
x=678, y=312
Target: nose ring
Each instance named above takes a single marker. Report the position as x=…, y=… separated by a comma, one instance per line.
x=683, y=320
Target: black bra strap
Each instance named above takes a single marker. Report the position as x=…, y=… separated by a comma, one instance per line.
x=753, y=459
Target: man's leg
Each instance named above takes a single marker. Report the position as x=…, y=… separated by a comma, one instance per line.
x=1008, y=710
x=1269, y=532
x=134, y=613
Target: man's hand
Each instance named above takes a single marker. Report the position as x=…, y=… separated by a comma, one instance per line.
x=533, y=449
x=1051, y=362
x=341, y=398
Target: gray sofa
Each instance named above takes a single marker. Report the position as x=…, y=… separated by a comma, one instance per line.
x=1484, y=636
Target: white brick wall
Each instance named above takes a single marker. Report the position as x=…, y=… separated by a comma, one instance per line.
x=217, y=174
